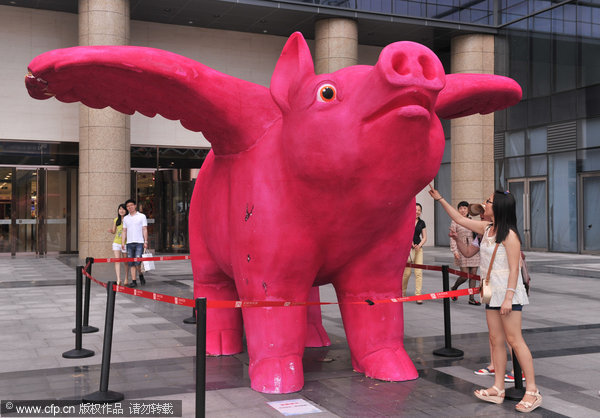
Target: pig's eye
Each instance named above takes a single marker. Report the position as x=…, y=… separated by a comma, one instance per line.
x=326, y=93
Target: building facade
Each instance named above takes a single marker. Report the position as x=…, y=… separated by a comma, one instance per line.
x=64, y=167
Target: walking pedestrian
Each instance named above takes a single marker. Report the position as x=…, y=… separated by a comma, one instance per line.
x=118, y=251
x=135, y=233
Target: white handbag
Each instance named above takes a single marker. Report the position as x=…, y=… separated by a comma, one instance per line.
x=148, y=265
x=486, y=288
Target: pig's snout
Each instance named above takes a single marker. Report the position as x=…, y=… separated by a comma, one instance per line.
x=411, y=64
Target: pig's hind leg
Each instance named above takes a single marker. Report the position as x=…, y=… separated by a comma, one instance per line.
x=316, y=336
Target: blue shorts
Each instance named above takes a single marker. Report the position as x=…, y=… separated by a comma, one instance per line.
x=497, y=308
x=135, y=250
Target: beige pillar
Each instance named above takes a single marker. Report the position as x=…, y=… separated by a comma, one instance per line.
x=336, y=44
x=104, y=140
x=472, y=137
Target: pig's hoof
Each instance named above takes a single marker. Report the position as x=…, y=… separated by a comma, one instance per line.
x=316, y=336
x=224, y=342
x=277, y=375
x=388, y=364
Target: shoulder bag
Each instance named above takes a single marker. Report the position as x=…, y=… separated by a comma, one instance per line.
x=525, y=273
x=486, y=288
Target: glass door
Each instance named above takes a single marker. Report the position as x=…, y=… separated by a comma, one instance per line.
x=145, y=197
x=590, y=202
x=25, y=203
x=176, y=186
x=531, y=196
x=6, y=177
x=56, y=210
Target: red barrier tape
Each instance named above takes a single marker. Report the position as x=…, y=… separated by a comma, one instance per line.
x=159, y=297
x=439, y=268
x=157, y=258
x=85, y=273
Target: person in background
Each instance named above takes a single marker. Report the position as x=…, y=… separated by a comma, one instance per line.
x=504, y=311
x=118, y=251
x=467, y=264
x=416, y=254
x=135, y=232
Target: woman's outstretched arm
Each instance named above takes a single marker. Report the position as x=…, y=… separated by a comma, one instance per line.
x=475, y=226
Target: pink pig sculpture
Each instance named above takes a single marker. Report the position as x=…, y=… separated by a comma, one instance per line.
x=312, y=181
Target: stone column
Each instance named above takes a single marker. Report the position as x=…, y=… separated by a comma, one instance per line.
x=472, y=137
x=104, y=137
x=336, y=44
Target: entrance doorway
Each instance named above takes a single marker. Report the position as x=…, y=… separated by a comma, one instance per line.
x=589, y=228
x=531, y=196
x=36, y=209
x=164, y=197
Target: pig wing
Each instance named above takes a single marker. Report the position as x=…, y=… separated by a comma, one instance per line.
x=231, y=113
x=467, y=94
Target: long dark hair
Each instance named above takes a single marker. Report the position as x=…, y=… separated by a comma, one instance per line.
x=119, y=217
x=505, y=215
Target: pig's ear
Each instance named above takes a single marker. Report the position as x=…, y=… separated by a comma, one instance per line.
x=293, y=67
x=467, y=94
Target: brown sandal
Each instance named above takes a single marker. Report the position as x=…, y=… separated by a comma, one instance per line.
x=530, y=406
x=484, y=395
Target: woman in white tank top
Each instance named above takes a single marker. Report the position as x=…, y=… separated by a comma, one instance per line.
x=503, y=313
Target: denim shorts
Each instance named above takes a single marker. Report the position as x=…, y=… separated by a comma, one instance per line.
x=497, y=308
x=135, y=250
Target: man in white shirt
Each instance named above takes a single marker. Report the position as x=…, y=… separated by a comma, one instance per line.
x=135, y=233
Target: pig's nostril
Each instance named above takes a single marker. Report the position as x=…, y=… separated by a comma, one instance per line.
x=427, y=67
x=400, y=64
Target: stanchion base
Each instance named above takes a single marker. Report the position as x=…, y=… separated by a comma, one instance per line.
x=448, y=352
x=86, y=329
x=75, y=353
x=514, y=394
x=190, y=320
x=103, y=397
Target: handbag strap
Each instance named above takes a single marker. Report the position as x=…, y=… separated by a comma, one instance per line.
x=487, y=277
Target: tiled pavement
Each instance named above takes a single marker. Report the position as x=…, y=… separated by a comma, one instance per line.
x=153, y=351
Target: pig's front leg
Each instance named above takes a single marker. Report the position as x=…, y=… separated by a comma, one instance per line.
x=375, y=333
x=223, y=326
x=275, y=338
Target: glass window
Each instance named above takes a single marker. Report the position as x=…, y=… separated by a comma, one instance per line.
x=590, y=134
x=536, y=143
x=442, y=221
x=447, y=157
x=566, y=65
x=519, y=61
x=563, y=202
x=499, y=174
x=515, y=144
x=590, y=61
x=541, y=63
x=589, y=159
x=515, y=167
x=536, y=166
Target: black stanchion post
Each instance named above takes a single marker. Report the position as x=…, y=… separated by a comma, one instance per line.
x=105, y=395
x=200, y=357
x=516, y=393
x=86, y=328
x=78, y=352
x=447, y=350
x=191, y=319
